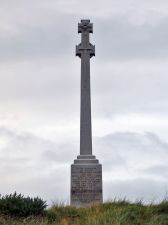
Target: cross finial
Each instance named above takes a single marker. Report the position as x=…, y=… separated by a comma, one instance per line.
x=85, y=27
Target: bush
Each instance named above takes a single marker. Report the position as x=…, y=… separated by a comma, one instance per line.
x=20, y=206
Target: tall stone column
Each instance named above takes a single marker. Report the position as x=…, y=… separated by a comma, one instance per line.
x=86, y=172
x=85, y=107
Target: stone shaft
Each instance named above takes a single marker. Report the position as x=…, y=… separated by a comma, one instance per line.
x=85, y=107
x=85, y=50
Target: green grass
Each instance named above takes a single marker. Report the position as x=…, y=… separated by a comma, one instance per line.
x=110, y=213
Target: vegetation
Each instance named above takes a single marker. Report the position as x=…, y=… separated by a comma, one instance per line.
x=17, y=205
x=110, y=213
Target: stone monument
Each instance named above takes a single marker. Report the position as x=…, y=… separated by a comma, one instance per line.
x=86, y=172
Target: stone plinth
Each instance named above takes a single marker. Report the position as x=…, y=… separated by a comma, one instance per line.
x=86, y=181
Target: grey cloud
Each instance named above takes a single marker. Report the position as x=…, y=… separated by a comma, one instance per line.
x=53, y=186
x=117, y=39
x=26, y=162
x=22, y=146
x=136, y=86
x=120, y=39
x=54, y=34
x=35, y=64
x=48, y=40
x=147, y=190
x=31, y=162
x=129, y=141
x=126, y=150
x=158, y=171
x=63, y=154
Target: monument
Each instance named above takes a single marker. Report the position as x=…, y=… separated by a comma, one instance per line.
x=86, y=172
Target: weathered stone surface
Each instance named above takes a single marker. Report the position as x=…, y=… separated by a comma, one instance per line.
x=85, y=50
x=86, y=184
x=86, y=172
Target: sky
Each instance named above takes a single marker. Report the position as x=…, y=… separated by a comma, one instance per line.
x=40, y=96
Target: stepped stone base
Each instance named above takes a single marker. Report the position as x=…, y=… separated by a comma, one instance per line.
x=86, y=181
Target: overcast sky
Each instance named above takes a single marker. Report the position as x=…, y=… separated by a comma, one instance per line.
x=40, y=96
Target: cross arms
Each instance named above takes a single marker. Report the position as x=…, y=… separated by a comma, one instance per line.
x=90, y=49
x=85, y=27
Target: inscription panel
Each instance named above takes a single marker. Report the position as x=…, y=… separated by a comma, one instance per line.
x=86, y=184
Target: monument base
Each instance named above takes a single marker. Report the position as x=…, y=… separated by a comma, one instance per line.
x=86, y=181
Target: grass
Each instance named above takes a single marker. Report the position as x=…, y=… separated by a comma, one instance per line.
x=110, y=213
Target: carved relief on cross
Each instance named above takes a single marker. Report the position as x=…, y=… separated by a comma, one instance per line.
x=85, y=27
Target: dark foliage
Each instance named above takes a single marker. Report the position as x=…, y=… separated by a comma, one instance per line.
x=19, y=206
x=162, y=207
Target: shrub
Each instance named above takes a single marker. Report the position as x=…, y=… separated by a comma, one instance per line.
x=20, y=206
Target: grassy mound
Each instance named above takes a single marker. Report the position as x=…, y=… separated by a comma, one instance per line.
x=110, y=213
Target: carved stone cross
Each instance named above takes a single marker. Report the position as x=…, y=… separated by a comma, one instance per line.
x=85, y=27
x=85, y=50
x=86, y=172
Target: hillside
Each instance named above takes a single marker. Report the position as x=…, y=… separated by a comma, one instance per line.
x=112, y=213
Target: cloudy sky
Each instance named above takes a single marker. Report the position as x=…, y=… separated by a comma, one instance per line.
x=40, y=87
